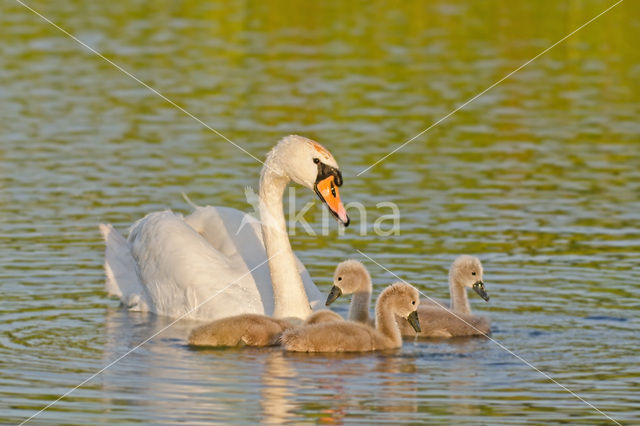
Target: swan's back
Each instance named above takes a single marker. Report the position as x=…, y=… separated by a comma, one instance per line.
x=238, y=235
x=184, y=275
x=199, y=267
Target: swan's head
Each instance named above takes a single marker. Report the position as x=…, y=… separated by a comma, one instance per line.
x=403, y=300
x=467, y=271
x=309, y=164
x=350, y=277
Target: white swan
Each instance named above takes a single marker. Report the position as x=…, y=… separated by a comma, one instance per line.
x=170, y=265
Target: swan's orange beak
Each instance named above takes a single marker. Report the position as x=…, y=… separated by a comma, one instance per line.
x=328, y=192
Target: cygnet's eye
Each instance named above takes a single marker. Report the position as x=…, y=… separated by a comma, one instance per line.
x=413, y=302
x=339, y=278
x=473, y=273
x=316, y=160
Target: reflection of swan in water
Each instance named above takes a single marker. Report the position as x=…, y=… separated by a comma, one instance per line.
x=385, y=381
x=167, y=388
x=398, y=378
x=176, y=385
x=171, y=265
x=277, y=392
x=465, y=377
x=438, y=321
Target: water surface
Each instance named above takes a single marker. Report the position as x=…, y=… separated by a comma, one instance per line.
x=539, y=177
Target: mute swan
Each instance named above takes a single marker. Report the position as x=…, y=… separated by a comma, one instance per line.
x=351, y=277
x=465, y=272
x=348, y=336
x=170, y=265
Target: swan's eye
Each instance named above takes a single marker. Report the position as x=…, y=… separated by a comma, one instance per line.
x=473, y=273
x=316, y=160
x=339, y=278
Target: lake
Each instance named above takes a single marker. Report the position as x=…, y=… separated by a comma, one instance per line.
x=538, y=177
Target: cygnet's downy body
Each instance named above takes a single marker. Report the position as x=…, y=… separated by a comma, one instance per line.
x=399, y=299
x=439, y=321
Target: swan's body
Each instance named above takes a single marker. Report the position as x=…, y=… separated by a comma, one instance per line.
x=351, y=277
x=219, y=262
x=442, y=321
x=398, y=299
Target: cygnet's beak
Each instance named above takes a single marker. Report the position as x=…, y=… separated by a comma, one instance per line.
x=414, y=321
x=326, y=186
x=333, y=295
x=478, y=287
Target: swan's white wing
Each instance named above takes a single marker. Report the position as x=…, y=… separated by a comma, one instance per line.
x=186, y=276
x=239, y=234
x=209, y=265
x=122, y=272
x=233, y=234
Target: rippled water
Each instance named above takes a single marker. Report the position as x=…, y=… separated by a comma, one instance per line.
x=539, y=177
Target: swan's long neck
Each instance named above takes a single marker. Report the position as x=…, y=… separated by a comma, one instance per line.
x=459, y=300
x=386, y=321
x=290, y=298
x=359, y=308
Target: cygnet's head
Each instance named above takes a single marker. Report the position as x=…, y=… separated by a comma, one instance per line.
x=350, y=277
x=309, y=164
x=467, y=271
x=403, y=300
